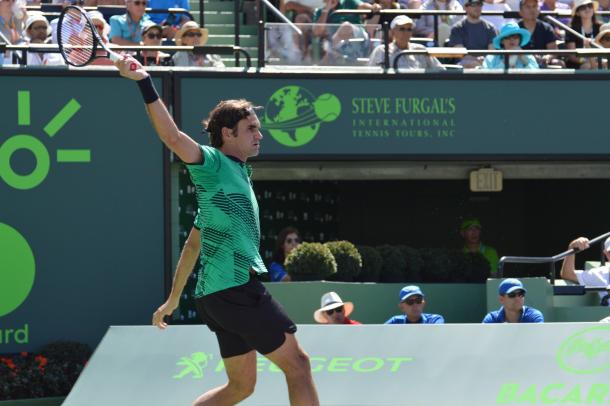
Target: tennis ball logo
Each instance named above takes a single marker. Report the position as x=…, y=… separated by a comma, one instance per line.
x=293, y=115
x=17, y=269
x=26, y=181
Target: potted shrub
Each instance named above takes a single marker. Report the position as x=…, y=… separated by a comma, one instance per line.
x=349, y=261
x=394, y=264
x=371, y=264
x=310, y=261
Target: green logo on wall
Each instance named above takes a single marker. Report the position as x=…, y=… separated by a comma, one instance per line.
x=293, y=115
x=17, y=269
x=586, y=352
x=193, y=365
x=27, y=142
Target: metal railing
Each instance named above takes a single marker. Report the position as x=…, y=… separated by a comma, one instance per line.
x=550, y=260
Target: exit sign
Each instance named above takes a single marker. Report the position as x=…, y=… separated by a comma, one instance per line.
x=486, y=180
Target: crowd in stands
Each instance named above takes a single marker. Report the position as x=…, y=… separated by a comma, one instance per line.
x=332, y=38
x=134, y=27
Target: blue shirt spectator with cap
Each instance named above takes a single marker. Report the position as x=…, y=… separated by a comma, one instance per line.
x=513, y=310
x=411, y=303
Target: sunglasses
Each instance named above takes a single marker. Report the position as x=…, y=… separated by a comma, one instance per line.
x=139, y=3
x=151, y=35
x=192, y=34
x=404, y=29
x=291, y=240
x=337, y=309
x=412, y=301
x=519, y=293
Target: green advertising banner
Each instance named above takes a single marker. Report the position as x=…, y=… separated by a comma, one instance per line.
x=349, y=116
x=366, y=365
x=81, y=209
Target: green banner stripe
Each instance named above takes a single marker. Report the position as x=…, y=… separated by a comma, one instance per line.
x=62, y=118
x=23, y=107
x=73, y=155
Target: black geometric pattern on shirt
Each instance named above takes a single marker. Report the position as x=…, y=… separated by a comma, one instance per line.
x=241, y=262
x=211, y=240
x=220, y=200
x=241, y=206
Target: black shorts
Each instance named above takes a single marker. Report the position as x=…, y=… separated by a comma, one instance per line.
x=244, y=318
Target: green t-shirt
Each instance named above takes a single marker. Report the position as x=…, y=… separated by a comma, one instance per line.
x=228, y=215
x=491, y=255
x=340, y=18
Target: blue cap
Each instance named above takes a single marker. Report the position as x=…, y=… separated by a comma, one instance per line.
x=510, y=285
x=409, y=291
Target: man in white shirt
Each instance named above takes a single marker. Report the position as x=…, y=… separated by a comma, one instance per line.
x=599, y=276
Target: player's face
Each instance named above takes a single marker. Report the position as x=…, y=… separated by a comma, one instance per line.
x=248, y=137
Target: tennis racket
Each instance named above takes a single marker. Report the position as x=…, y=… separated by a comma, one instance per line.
x=79, y=41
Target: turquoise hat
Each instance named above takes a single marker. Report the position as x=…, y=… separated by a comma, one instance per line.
x=508, y=30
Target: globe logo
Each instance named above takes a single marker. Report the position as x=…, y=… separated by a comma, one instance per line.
x=293, y=115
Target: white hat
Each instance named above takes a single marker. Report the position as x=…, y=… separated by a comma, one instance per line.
x=578, y=3
x=37, y=16
x=401, y=20
x=331, y=300
x=607, y=244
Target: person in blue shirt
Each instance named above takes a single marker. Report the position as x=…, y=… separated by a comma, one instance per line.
x=411, y=303
x=287, y=240
x=513, y=310
x=511, y=38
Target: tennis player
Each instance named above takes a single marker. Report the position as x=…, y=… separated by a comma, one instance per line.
x=230, y=299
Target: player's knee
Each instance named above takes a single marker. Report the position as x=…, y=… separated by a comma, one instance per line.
x=301, y=365
x=243, y=387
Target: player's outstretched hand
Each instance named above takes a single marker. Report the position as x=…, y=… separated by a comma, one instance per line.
x=166, y=309
x=131, y=68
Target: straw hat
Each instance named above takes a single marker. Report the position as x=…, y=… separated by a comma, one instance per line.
x=191, y=26
x=603, y=31
x=331, y=300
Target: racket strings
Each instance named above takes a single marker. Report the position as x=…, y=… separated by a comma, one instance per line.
x=77, y=38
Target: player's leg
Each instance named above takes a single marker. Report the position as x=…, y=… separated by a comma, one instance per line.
x=241, y=371
x=294, y=362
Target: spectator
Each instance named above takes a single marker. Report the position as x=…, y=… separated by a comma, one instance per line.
x=599, y=276
x=426, y=23
x=192, y=35
x=543, y=35
x=497, y=20
x=334, y=311
x=472, y=32
x=37, y=31
x=126, y=29
x=64, y=4
x=554, y=5
x=103, y=29
x=287, y=240
x=152, y=34
x=412, y=303
x=603, y=5
x=512, y=297
x=402, y=30
x=165, y=19
x=470, y=230
x=301, y=7
x=288, y=46
x=511, y=38
x=374, y=23
x=585, y=23
x=12, y=21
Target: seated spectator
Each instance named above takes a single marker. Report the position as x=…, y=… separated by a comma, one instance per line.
x=603, y=5
x=343, y=40
x=334, y=311
x=472, y=32
x=103, y=29
x=374, y=23
x=511, y=38
x=543, y=35
x=64, y=4
x=152, y=34
x=425, y=25
x=287, y=240
x=411, y=303
x=470, y=230
x=585, y=22
x=513, y=310
x=288, y=46
x=192, y=35
x=497, y=20
x=301, y=7
x=37, y=31
x=12, y=22
x=402, y=30
x=599, y=276
x=126, y=29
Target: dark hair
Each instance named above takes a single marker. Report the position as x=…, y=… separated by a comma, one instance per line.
x=278, y=254
x=576, y=22
x=227, y=113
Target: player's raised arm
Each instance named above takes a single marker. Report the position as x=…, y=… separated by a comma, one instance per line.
x=180, y=143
